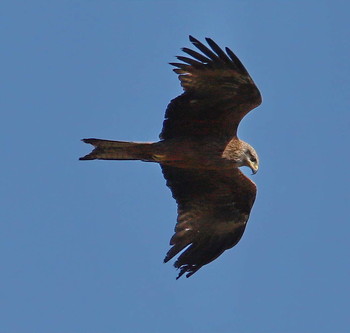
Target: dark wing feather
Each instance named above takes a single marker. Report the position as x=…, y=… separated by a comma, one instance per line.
x=218, y=93
x=213, y=209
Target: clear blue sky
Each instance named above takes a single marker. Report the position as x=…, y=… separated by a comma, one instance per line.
x=82, y=243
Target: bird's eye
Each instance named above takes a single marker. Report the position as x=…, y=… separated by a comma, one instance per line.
x=253, y=159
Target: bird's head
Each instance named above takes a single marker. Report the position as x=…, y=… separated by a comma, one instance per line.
x=250, y=157
x=243, y=154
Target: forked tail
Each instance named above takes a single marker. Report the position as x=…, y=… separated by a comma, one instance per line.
x=119, y=150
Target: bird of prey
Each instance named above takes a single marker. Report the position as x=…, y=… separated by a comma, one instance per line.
x=200, y=154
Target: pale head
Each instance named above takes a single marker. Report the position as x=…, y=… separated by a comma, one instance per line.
x=242, y=154
x=250, y=157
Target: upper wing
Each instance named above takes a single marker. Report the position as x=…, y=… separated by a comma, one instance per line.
x=218, y=93
x=213, y=209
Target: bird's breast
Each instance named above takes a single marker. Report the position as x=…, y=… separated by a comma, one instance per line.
x=194, y=154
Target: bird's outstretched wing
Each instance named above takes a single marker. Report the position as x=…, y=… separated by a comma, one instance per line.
x=218, y=93
x=213, y=209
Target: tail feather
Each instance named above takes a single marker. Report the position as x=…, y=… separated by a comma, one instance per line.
x=118, y=150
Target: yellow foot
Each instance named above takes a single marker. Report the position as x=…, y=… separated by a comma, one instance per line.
x=159, y=158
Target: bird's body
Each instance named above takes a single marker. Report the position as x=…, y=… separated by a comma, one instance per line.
x=200, y=154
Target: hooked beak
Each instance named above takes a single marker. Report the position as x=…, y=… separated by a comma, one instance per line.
x=254, y=167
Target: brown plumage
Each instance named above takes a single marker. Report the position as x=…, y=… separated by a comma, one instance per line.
x=200, y=154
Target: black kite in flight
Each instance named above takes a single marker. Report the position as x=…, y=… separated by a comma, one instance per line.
x=200, y=154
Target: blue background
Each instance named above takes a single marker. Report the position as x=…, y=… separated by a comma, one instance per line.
x=82, y=243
